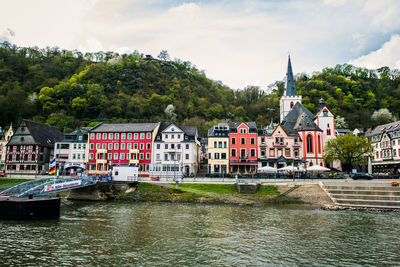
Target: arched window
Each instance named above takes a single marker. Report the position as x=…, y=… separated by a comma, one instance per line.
x=291, y=104
x=309, y=143
x=319, y=144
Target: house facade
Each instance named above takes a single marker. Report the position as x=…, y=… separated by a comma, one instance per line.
x=218, y=149
x=243, y=154
x=176, y=153
x=4, y=138
x=279, y=149
x=30, y=148
x=71, y=153
x=386, y=145
x=120, y=144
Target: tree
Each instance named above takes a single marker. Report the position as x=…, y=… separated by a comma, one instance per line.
x=349, y=149
x=340, y=123
x=382, y=116
x=170, y=112
x=163, y=55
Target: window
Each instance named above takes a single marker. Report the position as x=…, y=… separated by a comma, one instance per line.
x=220, y=144
x=110, y=136
x=147, y=155
x=186, y=156
x=252, y=141
x=97, y=146
x=319, y=144
x=179, y=136
x=325, y=113
x=225, y=144
x=291, y=104
x=109, y=146
x=123, y=136
x=98, y=136
x=287, y=152
x=104, y=146
x=157, y=156
x=309, y=144
x=92, y=136
x=129, y=136
x=141, y=135
x=116, y=146
x=172, y=136
x=91, y=146
x=166, y=157
x=243, y=153
x=74, y=146
x=148, y=135
x=73, y=156
x=243, y=131
x=216, y=155
x=84, y=146
x=129, y=145
x=115, y=156
x=79, y=156
x=233, y=152
x=79, y=146
x=148, y=146
x=123, y=146
x=109, y=156
x=172, y=146
x=135, y=146
x=215, y=144
x=272, y=152
x=178, y=146
x=187, y=146
x=158, y=146
x=243, y=141
x=262, y=153
x=122, y=156
x=252, y=153
x=141, y=155
x=233, y=141
x=116, y=136
x=136, y=135
x=104, y=136
x=141, y=146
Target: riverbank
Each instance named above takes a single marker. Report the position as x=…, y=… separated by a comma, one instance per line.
x=204, y=193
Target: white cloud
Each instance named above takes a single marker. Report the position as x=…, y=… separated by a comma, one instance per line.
x=237, y=42
x=387, y=55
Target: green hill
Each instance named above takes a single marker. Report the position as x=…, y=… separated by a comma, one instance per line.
x=69, y=89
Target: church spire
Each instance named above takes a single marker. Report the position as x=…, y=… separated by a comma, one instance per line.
x=290, y=89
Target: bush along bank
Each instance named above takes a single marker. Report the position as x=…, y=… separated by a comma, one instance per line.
x=203, y=193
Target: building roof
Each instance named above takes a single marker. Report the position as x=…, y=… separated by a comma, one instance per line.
x=123, y=127
x=188, y=130
x=250, y=124
x=389, y=127
x=42, y=134
x=290, y=89
x=299, y=118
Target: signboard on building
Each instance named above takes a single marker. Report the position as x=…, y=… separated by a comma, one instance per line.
x=74, y=164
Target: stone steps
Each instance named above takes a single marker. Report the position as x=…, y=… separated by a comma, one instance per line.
x=361, y=194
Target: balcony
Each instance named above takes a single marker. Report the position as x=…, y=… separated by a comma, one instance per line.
x=101, y=151
x=280, y=144
x=133, y=162
x=101, y=161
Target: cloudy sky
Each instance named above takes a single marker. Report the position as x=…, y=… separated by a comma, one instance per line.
x=237, y=42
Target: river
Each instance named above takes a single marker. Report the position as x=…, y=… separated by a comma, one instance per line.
x=157, y=234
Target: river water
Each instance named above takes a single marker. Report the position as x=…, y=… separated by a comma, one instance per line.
x=156, y=234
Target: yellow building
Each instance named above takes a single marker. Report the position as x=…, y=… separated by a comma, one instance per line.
x=218, y=150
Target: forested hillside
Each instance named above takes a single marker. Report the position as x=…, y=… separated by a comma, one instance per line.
x=69, y=89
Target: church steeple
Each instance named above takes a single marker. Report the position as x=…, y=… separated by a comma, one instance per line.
x=290, y=89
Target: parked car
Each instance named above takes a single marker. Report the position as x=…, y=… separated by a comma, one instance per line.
x=2, y=174
x=361, y=175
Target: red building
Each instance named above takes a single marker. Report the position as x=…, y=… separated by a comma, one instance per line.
x=243, y=147
x=120, y=144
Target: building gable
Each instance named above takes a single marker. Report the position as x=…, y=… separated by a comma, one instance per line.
x=279, y=131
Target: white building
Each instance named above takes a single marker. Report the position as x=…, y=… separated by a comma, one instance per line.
x=71, y=153
x=176, y=151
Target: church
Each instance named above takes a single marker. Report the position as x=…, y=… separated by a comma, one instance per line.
x=299, y=131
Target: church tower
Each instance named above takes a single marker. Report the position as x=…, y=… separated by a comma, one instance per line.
x=289, y=98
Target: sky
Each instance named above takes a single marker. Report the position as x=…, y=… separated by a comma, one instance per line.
x=240, y=43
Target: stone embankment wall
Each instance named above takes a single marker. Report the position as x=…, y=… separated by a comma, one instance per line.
x=308, y=193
